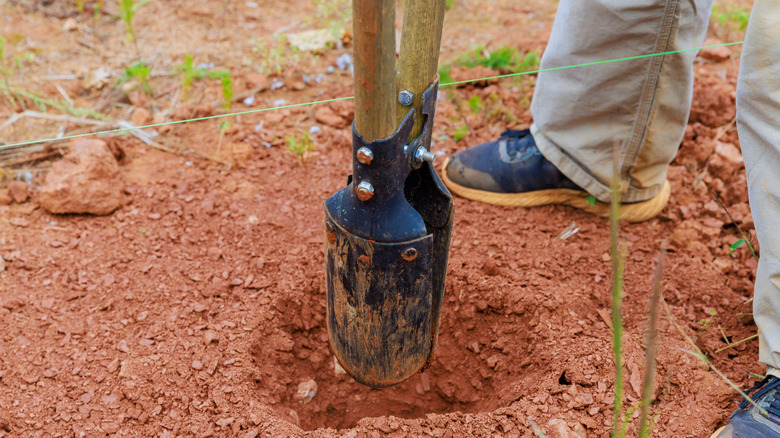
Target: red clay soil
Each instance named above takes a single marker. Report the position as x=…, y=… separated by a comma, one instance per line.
x=197, y=308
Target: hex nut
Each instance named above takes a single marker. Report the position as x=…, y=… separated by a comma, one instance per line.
x=365, y=156
x=364, y=191
x=405, y=97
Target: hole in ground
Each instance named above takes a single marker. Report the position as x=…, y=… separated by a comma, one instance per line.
x=486, y=358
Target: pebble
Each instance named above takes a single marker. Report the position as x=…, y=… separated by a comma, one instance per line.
x=5, y=197
x=19, y=191
x=490, y=268
x=113, y=365
x=337, y=368
x=122, y=346
x=214, y=253
x=198, y=308
x=306, y=391
x=559, y=429
x=210, y=336
x=197, y=365
x=70, y=24
x=224, y=422
x=344, y=62
x=426, y=382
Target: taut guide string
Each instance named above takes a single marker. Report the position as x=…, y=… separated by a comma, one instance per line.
x=317, y=102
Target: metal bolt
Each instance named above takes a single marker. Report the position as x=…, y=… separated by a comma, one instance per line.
x=422, y=154
x=405, y=97
x=365, y=156
x=364, y=191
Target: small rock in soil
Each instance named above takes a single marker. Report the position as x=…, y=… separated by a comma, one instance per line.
x=306, y=391
x=325, y=115
x=140, y=117
x=113, y=365
x=715, y=53
x=5, y=197
x=210, y=336
x=85, y=181
x=559, y=429
x=337, y=368
x=122, y=346
x=730, y=154
x=490, y=268
x=19, y=191
x=344, y=62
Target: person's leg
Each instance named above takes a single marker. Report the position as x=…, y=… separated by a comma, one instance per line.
x=581, y=114
x=758, y=123
x=641, y=106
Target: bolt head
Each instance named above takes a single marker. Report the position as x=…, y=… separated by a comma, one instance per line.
x=405, y=97
x=365, y=156
x=364, y=191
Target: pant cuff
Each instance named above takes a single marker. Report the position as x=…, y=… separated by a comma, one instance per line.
x=581, y=176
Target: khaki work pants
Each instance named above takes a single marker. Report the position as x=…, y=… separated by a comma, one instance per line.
x=641, y=107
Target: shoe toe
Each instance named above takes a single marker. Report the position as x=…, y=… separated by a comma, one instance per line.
x=749, y=424
x=461, y=170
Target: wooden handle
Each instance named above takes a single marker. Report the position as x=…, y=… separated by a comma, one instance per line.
x=419, y=58
x=374, y=52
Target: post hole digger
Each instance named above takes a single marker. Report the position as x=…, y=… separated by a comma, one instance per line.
x=388, y=231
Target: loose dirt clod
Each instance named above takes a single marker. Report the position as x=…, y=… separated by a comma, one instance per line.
x=5, y=197
x=559, y=429
x=86, y=180
x=19, y=191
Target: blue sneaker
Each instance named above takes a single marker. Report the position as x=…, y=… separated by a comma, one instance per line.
x=512, y=172
x=750, y=422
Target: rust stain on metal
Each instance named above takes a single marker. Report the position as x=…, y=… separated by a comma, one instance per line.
x=364, y=157
x=364, y=261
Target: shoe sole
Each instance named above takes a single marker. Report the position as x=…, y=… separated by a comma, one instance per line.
x=631, y=212
x=717, y=432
